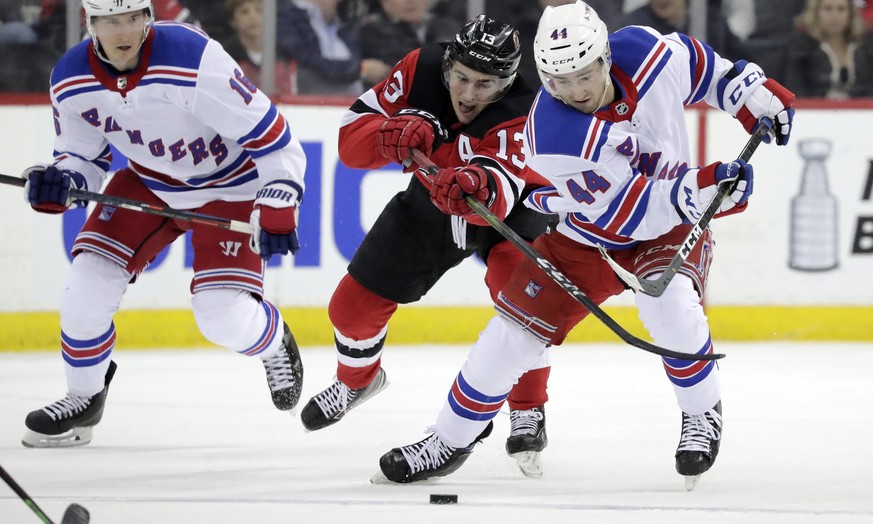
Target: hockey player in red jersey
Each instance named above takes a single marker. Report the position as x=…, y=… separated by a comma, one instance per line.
x=464, y=105
x=607, y=130
x=197, y=135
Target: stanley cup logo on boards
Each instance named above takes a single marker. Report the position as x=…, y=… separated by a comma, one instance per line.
x=813, y=242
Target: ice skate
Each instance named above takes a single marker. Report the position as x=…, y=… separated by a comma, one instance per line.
x=425, y=459
x=67, y=422
x=698, y=446
x=285, y=374
x=332, y=404
x=527, y=438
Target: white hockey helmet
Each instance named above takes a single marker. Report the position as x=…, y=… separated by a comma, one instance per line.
x=94, y=8
x=569, y=37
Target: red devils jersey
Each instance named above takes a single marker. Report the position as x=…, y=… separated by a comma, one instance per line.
x=494, y=139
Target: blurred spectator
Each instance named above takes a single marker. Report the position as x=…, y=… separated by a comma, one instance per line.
x=15, y=28
x=668, y=16
x=25, y=62
x=772, y=24
x=325, y=50
x=831, y=55
x=400, y=27
x=205, y=14
x=246, y=44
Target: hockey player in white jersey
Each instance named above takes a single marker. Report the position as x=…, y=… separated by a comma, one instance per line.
x=198, y=136
x=608, y=131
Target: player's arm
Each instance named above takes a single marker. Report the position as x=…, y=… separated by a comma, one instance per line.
x=81, y=161
x=493, y=175
x=741, y=89
x=231, y=104
x=609, y=194
x=380, y=126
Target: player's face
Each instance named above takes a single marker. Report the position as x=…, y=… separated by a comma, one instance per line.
x=584, y=90
x=471, y=91
x=120, y=37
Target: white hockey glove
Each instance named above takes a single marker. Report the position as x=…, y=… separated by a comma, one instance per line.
x=769, y=99
x=695, y=189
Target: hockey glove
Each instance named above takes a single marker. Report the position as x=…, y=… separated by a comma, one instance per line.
x=48, y=188
x=275, y=221
x=773, y=101
x=692, y=194
x=451, y=186
x=409, y=128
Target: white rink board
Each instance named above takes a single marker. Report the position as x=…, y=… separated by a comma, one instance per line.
x=751, y=262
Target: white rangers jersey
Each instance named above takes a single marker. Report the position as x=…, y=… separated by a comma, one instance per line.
x=614, y=172
x=191, y=125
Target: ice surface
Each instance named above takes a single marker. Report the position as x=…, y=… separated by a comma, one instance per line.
x=191, y=436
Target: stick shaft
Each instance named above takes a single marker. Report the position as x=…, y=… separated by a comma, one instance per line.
x=553, y=272
x=24, y=496
x=144, y=207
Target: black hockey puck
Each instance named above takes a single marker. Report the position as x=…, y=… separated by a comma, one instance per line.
x=443, y=499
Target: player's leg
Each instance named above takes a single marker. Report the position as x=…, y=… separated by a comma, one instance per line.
x=527, y=399
x=403, y=255
x=113, y=246
x=360, y=320
x=534, y=312
x=230, y=309
x=676, y=320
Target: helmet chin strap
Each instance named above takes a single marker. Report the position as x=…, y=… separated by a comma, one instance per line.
x=606, y=82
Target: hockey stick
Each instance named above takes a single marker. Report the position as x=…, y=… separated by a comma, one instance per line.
x=75, y=514
x=427, y=169
x=657, y=286
x=143, y=207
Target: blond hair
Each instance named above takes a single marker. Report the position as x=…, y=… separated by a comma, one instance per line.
x=809, y=20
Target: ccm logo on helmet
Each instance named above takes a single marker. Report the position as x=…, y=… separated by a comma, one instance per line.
x=564, y=61
x=483, y=58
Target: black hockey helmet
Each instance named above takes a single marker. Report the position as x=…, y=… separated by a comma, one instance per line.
x=487, y=46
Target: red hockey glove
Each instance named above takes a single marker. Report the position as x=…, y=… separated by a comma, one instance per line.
x=773, y=101
x=409, y=128
x=450, y=186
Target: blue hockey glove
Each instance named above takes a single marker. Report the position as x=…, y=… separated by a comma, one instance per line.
x=275, y=220
x=48, y=188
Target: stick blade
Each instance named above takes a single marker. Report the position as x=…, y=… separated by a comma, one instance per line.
x=76, y=514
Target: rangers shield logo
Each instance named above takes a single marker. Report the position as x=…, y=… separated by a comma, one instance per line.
x=533, y=289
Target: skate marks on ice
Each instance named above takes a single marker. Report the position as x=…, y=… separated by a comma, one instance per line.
x=193, y=436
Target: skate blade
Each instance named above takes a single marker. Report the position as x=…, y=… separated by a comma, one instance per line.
x=380, y=479
x=529, y=463
x=70, y=439
x=691, y=481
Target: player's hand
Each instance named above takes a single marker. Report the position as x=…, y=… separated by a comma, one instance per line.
x=773, y=101
x=692, y=201
x=409, y=128
x=451, y=186
x=48, y=188
x=275, y=221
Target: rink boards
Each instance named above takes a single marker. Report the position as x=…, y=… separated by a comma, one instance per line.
x=798, y=265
